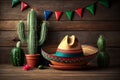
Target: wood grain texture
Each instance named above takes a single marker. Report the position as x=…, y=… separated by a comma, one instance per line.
x=68, y=25
x=8, y=72
x=9, y=38
x=102, y=13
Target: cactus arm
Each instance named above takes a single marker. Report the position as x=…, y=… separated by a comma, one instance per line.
x=21, y=31
x=43, y=33
x=32, y=36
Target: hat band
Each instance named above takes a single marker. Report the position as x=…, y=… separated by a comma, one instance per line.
x=59, y=54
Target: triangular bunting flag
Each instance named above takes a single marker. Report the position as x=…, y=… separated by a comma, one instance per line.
x=69, y=15
x=24, y=6
x=79, y=12
x=58, y=14
x=15, y=2
x=91, y=8
x=47, y=14
x=105, y=3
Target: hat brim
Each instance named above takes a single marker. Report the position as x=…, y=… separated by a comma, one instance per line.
x=88, y=51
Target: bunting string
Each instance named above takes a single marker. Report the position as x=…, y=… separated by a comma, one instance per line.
x=79, y=11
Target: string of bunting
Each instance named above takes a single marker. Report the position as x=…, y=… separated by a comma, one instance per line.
x=69, y=14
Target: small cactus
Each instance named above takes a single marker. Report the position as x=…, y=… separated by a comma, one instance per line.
x=32, y=38
x=17, y=55
x=102, y=57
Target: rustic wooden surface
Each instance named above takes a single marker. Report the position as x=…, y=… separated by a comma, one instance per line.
x=8, y=72
x=106, y=21
x=78, y=25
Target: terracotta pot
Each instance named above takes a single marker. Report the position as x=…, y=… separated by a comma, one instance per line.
x=32, y=60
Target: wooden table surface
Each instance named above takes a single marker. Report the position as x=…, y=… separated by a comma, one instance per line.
x=9, y=72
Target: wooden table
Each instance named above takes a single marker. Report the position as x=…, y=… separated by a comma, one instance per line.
x=9, y=72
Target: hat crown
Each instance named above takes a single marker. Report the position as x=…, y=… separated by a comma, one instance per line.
x=69, y=43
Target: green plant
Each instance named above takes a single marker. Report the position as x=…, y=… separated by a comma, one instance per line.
x=102, y=57
x=17, y=55
x=32, y=38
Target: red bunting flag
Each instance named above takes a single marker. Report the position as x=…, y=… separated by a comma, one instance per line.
x=24, y=6
x=58, y=14
x=79, y=12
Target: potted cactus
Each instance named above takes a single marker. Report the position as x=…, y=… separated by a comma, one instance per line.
x=17, y=55
x=32, y=58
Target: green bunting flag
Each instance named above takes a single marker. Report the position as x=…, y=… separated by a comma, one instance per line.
x=69, y=15
x=15, y=2
x=104, y=3
x=91, y=9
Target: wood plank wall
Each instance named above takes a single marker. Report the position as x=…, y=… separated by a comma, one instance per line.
x=106, y=21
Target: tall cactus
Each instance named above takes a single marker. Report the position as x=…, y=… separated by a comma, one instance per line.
x=32, y=38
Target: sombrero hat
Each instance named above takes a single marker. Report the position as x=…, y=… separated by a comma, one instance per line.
x=69, y=51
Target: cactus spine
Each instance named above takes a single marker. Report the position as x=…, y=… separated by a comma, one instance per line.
x=32, y=38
